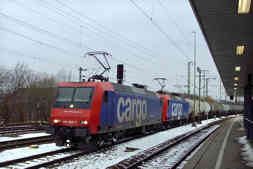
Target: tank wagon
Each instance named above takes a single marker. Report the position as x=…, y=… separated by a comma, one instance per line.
x=210, y=108
x=99, y=113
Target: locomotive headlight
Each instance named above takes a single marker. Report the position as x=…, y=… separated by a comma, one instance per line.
x=56, y=121
x=84, y=122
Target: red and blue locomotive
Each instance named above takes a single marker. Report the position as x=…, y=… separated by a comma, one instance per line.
x=175, y=110
x=100, y=112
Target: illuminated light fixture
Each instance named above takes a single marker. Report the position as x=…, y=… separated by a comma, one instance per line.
x=236, y=78
x=57, y=121
x=71, y=106
x=235, y=88
x=238, y=68
x=236, y=84
x=239, y=50
x=244, y=6
x=84, y=122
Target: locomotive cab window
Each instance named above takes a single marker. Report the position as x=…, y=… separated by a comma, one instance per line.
x=64, y=94
x=83, y=94
x=76, y=97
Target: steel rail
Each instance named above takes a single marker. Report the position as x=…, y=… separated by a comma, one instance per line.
x=136, y=160
x=24, y=142
x=29, y=158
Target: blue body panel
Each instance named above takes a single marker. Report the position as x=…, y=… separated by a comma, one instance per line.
x=177, y=109
x=127, y=111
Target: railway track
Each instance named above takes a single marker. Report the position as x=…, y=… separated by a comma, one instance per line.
x=172, y=151
x=17, y=127
x=25, y=142
x=172, y=158
x=55, y=157
x=24, y=129
x=52, y=159
x=41, y=160
x=18, y=132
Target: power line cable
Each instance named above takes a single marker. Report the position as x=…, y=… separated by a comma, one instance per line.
x=38, y=29
x=105, y=30
x=116, y=34
x=57, y=48
x=51, y=34
x=18, y=53
x=80, y=14
x=51, y=19
x=68, y=14
x=174, y=22
x=36, y=41
x=160, y=29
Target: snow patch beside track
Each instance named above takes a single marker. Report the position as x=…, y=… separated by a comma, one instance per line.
x=247, y=151
x=30, y=135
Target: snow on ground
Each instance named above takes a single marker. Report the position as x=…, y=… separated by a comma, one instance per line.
x=26, y=152
x=117, y=153
x=31, y=135
x=98, y=159
x=247, y=151
x=169, y=157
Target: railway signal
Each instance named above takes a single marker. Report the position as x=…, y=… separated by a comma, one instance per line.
x=120, y=73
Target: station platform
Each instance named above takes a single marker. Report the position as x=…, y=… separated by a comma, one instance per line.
x=222, y=149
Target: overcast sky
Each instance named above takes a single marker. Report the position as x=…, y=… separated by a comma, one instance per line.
x=152, y=38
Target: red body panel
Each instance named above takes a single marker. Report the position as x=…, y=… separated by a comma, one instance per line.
x=69, y=117
x=165, y=99
x=72, y=117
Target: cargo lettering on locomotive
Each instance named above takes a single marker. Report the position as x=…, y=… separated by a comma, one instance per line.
x=131, y=109
x=177, y=109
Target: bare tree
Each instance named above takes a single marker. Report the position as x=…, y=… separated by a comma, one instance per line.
x=21, y=88
x=62, y=75
x=43, y=81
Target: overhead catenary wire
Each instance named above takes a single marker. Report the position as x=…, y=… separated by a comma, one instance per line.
x=40, y=59
x=55, y=47
x=52, y=34
x=85, y=26
x=18, y=53
x=78, y=18
x=112, y=57
x=182, y=33
x=70, y=27
x=36, y=41
x=38, y=29
x=106, y=31
x=159, y=28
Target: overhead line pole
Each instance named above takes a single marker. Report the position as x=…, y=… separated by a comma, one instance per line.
x=189, y=77
x=199, y=71
x=194, y=88
x=207, y=85
x=204, y=79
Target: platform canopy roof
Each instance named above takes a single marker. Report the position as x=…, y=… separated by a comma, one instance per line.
x=228, y=27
